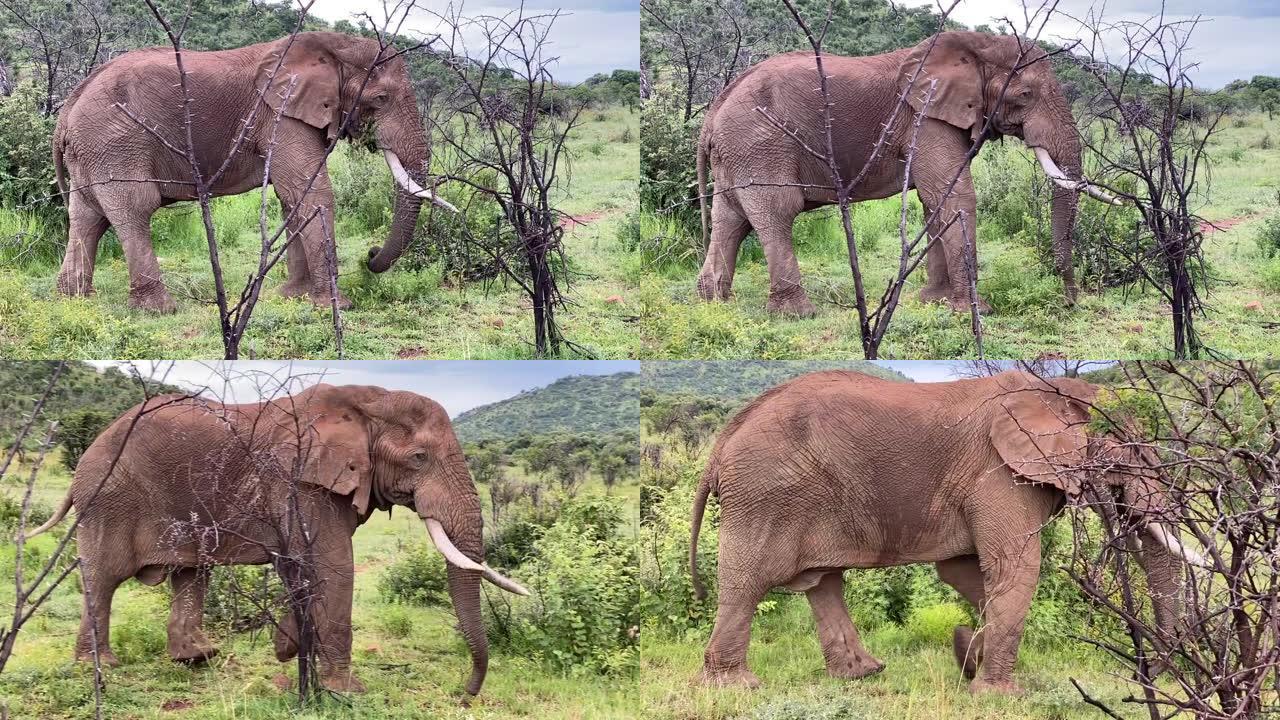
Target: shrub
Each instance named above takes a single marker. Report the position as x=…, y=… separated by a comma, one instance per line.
x=242, y=598
x=77, y=430
x=27, y=181
x=1268, y=238
x=668, y=156
x=1015, y=283
x=584, y=618
x=417, y=577
x=1271, y=275
x=933, y=624
x=11, y=509
x=513, y=542
x=395, y=622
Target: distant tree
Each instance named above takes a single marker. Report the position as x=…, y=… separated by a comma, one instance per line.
x=76, y=432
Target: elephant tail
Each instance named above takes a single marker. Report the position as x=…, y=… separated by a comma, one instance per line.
x=57, y=517
x=59, y=169
x=704, y=151
x=699, y=508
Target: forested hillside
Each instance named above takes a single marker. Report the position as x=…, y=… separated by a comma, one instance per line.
x=743, y=379
x=578, y=405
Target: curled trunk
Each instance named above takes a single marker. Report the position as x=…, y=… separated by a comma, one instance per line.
x=403, y=224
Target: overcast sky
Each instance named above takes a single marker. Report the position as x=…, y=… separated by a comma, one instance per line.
x=457, y=385
x=590, y=36
x=1235, y=39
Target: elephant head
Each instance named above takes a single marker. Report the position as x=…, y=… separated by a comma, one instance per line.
x=381, y=448
x=1041, y=434
x=972, y=70
x=348, y=86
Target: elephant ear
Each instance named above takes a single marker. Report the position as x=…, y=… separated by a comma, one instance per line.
x=953, y=61
x=315, y=98
x=1039, y=431
x=335, y=445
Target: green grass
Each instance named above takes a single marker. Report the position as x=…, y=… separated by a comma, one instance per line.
x=1029, y=320
x=920, y=679
x=402, y=313
x=411, y=659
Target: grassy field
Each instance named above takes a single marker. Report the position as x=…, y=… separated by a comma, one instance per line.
x=1029, y=319
x=411, y=659
x=920, y=680
x=403, y=313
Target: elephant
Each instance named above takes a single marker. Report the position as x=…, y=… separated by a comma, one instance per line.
x=179, y=484
x=837, y=470
x=122, y=172
x=764, y=178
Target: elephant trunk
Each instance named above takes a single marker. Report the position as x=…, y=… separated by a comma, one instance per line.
x=1164, y=576
x=403, y=224
x=405, y=149
x=464, y=592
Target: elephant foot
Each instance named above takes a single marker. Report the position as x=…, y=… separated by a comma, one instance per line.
x=70, y=287
x=293, y=289
x=965, y=305
x=286, y=643
x=1000, y=687
x=324, y=300
x=968, y=652
x=106, y=658
x=157, y=301
x=739, y=678
x=792, y=303
x=709, y=289
x=193, y=650
x=343, y=681
x=854, y=667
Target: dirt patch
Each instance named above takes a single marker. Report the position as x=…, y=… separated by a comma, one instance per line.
x=1209, y=228
x=569, y=223
x=410, y=353
x=176, y=705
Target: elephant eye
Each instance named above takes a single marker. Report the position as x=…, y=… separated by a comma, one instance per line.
x=419, y=457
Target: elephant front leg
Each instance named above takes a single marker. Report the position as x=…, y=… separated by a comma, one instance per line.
x=298, y=279
x=312, y=226
x=1009, y=584
x=328, y=609
x=952, y=256
x=841, y=646
x=187, y=641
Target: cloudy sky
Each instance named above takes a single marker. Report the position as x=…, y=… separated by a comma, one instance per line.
x=590, y=36
x=457, y=385
x=1235, y=38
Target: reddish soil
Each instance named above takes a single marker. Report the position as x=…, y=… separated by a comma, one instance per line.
x=1208, y=228
x=175, y=705
x=569, y=223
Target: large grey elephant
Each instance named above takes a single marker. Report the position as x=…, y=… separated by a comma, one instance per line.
x=764, y=178
x=838, y=470
x=118, y=168
x=179, y=484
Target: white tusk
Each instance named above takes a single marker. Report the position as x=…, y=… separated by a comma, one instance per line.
x=1060, y=178
x=448, y=549
x=503, y=582
x=1170, y=543
x=451, y=553
x=403, y=180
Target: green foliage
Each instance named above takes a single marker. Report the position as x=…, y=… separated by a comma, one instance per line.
x=33, y=223
x=588, y=405
x=584, y=618
x=840, y=707
x=668, y=156
x=241, y=598
x=11, y=510
x=1016, y=283
x=1268, y=237
x=1270, y=273
x=77, y=430
x=417, y=577
x=743, y=379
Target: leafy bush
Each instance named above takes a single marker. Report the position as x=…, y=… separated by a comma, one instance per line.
x=933, y=624
x=27, y=180
x=1268, y=238
x=417, y=577
x=584, y=618
x=11, y=509
x=1015, y=282
x=1271, y=275
x=513, y=542
x=241, y=598
x=395, y=622
x=76, y=432
x=668, y=154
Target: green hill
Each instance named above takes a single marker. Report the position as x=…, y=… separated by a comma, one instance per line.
x=747, y=378
x=580, y=404
x=81, y=387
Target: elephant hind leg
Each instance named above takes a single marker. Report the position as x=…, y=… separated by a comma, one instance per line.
x=964, y=574
x=725, y=661
x=187, y=641
x=728, y=229
x=95, y=619
x=841, y=646
x=772, y=213
x=129, y=210
x=87, y=228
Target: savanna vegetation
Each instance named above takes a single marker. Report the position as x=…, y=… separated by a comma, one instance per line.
x=691, y=51
x=578, y=404
x=448, y=296
x=905, y=615
x=569, y=650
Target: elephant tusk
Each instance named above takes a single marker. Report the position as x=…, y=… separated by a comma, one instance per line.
x=1170, y=543
x=455, y=557
x=1060, y=178
x=403, y=180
